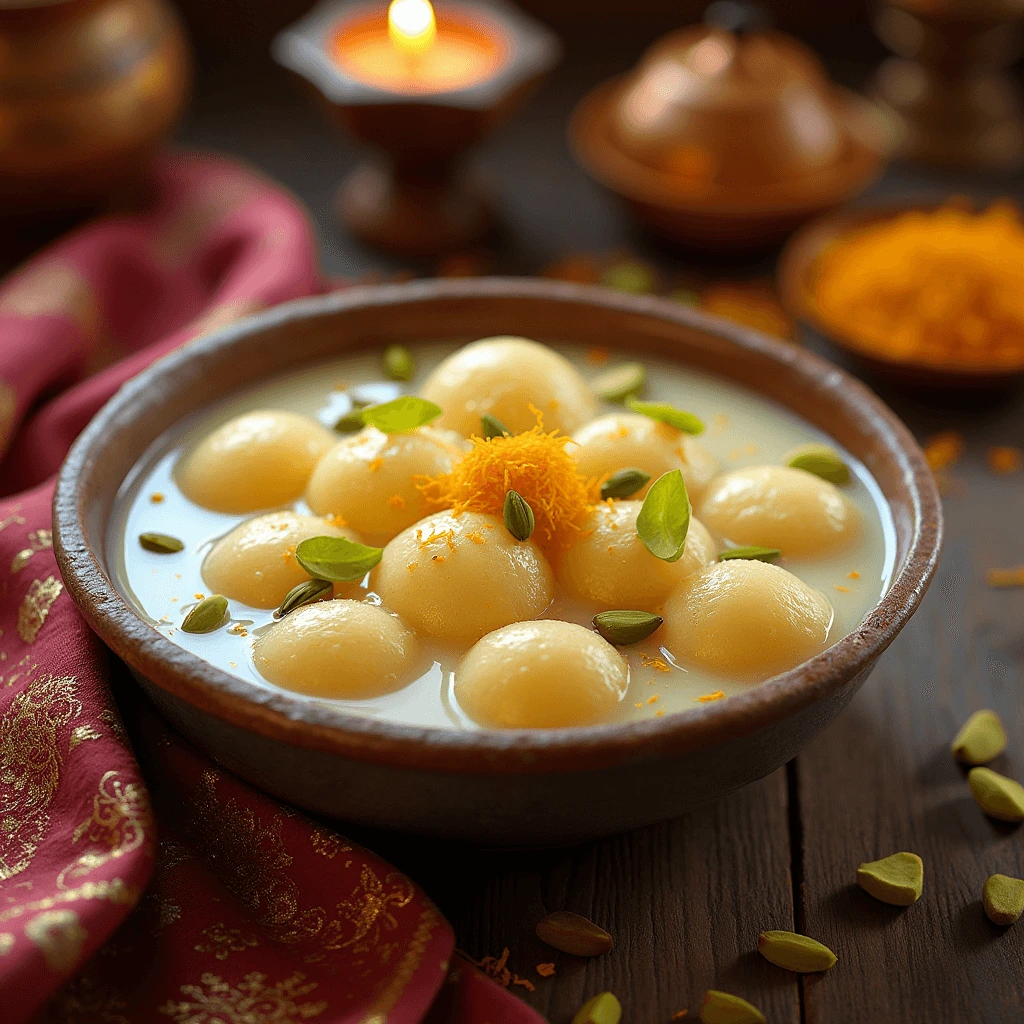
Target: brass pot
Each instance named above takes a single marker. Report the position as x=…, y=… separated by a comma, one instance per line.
x=88, y=89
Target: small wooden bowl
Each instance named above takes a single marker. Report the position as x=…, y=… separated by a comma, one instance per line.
x=718, y=219
x=795, y=276
x=500, y=787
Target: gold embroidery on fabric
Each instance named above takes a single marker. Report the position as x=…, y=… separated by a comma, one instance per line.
x=214, y=1001
x=26, y=667
x=118, y=824
x=59, y=935
x=110, y=718
x=82, y=733
x=369, y=906
x=113, y=891
x=86, y=1000
x=38, y=540
x=386, y=1001
x=30, y=765
x=36, y=606
x=6, y=943
x=328, y=844
x=8, y=410
x=222, y=941
x=12, y=520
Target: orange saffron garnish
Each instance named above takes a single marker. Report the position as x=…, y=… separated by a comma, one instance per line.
x=495, y=967
x=680, y=1014
x=156, y=497
x=853, y=575
x=842, y=590
x=533, y=463
x=707, y=698
x=1005, y=577
x=656, y=663
x=476, y=537
x=396, y=501
x=658, y=714
x=944, y=450
x=545, y=970
x=375, y=464
x=288, y=555
x=412, y=566
x=639, y=704
x=1005, y=460
x=652, y=699
x=598, y=356
x=333, y=519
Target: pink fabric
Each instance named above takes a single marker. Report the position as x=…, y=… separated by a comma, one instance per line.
x=221, y=905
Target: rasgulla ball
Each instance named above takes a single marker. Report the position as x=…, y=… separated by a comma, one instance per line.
x=349, y=650
x=612, y=568
x=504, y=377
x=631, y=441
x=779, y=507
x=255, y=563
x=455, y=578
x=540, y=675
x=369, y=479
x=258, y=460
x=746, y=619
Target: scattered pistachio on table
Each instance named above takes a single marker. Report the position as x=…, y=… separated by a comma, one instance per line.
x=897, y=879
x=572, y=933
x=980, y=739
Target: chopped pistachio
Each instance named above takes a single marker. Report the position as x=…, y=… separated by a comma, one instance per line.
x=820, y=460
x=795, y=952
x=998, y=796
x=398, y=364
x=161, y=543
x=571, y=933
x=897, y=879
x=620, y=382
x=980, y=739
x=723, y=1008
x=1003, y=899
x=602, y=1009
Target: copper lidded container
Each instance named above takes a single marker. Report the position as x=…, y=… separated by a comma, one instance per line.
x=728, y=135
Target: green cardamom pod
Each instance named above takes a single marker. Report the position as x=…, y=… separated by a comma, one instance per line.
x=161, y=543
x=897, y=879
x=519, y=520
x=999, y=797
x=723, y=1008
x=820, y=460
x=398, y=364
x=626, y=627
x=571, y=933
x=624, y=482
x=980, y=739
x=750, y=551
x=620, y=382
x=1003, y=899
x=493, y=427
x=602, y=1009
x=209, y=614
x=795, y=952
x=304, y=593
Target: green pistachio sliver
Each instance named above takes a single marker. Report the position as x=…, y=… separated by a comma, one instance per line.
x=623, y=483
x=398, y=363
x=351, y=422
x=401, y=415
x=725, y=1008
x=519, y=519
x=820, y=460
x=630, y=276
x=208, y=615
x=161, y=543
x=664, y=518
x=491, y=427
x=897, y=879
x=602, y=1009
x=623, y=628
x=304, y=593
x=620, y=382
x=336, y=558
x=665, y=413
x=999, y=797
x=795, y=952
x=980, y=739
x=750, y=551
x=1003, y=899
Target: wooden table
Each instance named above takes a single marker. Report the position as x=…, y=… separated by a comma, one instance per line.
x=686, y=900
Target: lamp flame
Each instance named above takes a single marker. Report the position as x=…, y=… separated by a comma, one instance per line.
x=411, y=25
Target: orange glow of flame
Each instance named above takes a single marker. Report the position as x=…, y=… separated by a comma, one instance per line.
x=412, y=25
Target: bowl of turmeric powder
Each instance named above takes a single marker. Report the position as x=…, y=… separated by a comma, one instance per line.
x=931, y=293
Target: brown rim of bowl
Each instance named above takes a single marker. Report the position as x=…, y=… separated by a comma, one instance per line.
x=794, y=274
x=281, y=716
x=636, y=181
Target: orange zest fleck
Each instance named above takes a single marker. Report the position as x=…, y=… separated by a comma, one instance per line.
x=156, y=497
x=842, y=590
x=658, y=664
x=333, y=519
x=1005, y=577
x=545, y=970
x=707, y=698
x=534, y=463
x=659, y=714
x=1005, y=460
x=639, y=704
x=476, y=537
x=853, y=575
x=288, y=555
x=652, y=699
x=944, y=450
x=375, y=464
x=396, y=501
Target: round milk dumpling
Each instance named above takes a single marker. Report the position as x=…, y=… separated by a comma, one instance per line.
x=258, y=460
x=504, y=377
x=631, y=441
x=454, y=578
x=745, y=619
x=341, y=649
x=611, y=568
x=541, y=675
x=780, y=507
x=255, y=563
x=369, y=479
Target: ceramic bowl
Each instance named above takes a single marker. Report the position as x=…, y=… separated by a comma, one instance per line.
x=500, y=787
x=795, y=278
